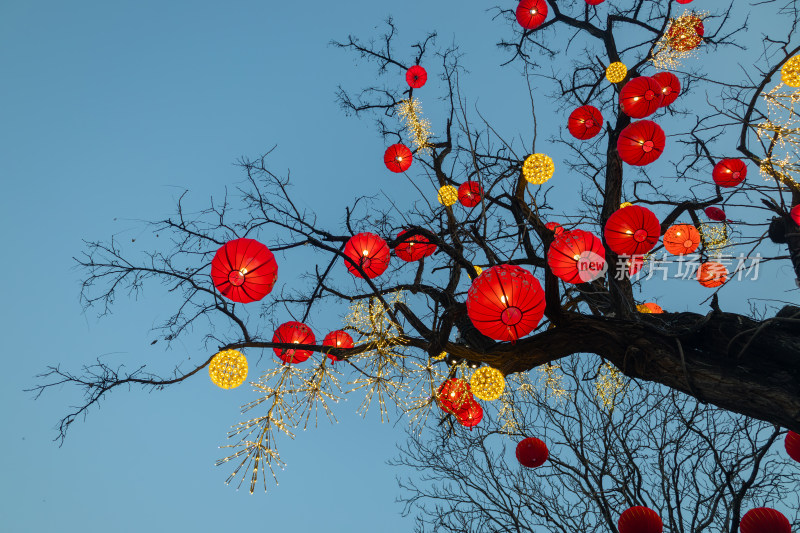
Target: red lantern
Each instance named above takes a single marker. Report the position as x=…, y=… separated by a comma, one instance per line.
x=795, y=214
x=764, y=520
x=368, y=251
x=505, y=302
x=641, y=97
x=711, y=274
x=715, y=213
x=640, y=520
x=454, y=396
x=641, y=142
x=295, y=333
x=681, y=239
x=594, y=2
x=244, y=270
x=531, y=13
x=555, y=227
x=729, y=172
x=670, y=87
x=577, y=256
x=469, y=193
x=683, y=1
x=414, y=248
x=632, y=230
x=633, y=263
x=532, y=452
x=653, y=308
x=416, y=77
x=471, y=416
x=398, y=158
x=585, y=122
x=686, y=33
x=337, y=339
x=792, y=445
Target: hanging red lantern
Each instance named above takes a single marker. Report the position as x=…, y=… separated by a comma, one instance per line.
x=683, y=1
x=294, y=333
x=244, y=270
x=469, y=193
x=532, y=452
x=454, y=396
x=594, y=2
x=711, y=274
x=531, y=13
x=471, y=416
x=632, y=230
x=639, y=519
x=337, y=339
x=555, y=227
x=413, y=248
x=764, y=520
x=729, y=172
x=715, y=213
x=585, y=122
x=368, y=251
x=416, y=77
x=792, y=445
x=577, y=256
x=397, y=158
x=505, y=302
x=795, y=214
x=641, y=142
x=632, y=263
x=681, y=239
x=641, y=97
x=685, y=33
x=650, y=308
x=670, y=87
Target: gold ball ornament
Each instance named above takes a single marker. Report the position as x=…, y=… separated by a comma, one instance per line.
x=790, y=72
x=538, y=168
x=616, y=72
x=228, y=369
x=447, y=195
x=487, y=383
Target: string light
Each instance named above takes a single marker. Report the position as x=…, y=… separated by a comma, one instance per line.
x=616, y=72
x=487, y=383
x=228, y=369
x=679, y=42
x=418, y=128
x=714, y=237
x=609, y=385
x=538, y=168
x=781, y=132
x=447, y=195
x=553, y=381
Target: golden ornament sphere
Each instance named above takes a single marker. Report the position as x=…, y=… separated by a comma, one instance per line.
x=624, y=205
x=790, y=72
x=487, y=383
x=478, y=269
x=447, y=195
x=538, y=168
x=616, y=72
x=228, y=369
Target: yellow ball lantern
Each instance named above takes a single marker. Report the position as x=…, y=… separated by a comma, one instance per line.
x=487, y=383
x=538, y=168
x=616, y=72
x=623, y=205
x=447, y=195
x=228, y=369
x=790, y=72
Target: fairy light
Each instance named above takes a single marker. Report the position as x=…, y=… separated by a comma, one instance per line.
x=616, y=72
x=447, y=195
x=228, y=369
x=418, y=128
x=608, y=385
x=781, y=133
x=553, y=381
x=487, y=383
x=715, y=237
x=538, y=168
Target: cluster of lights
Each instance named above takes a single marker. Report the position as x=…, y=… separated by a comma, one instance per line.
x=781, y=131
x=623, y=205
x=447, y=195
x=714, y=237
x=538, y=168
x=679, y=42
x=609, y=385
x=228, y=369
x=616, y=72
x=553, y=381
x=418, y=128
x=487, y=383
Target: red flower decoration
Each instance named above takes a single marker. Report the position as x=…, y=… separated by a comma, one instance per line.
x=368, y=251
x=531, y=13
x=729, y=172
x=416, y=77
x=715, y=213
x=639, y=520
x=711, y=274
x=792, y=445
x=532, y=452
x=469, y=193
x=681, y=239
x=244, y=270
x=471, y=415
x=670, y=87
x=585, y=122
x=414, y=248
x=641, y=142
x=295, y=333
x=398, y=158
x=764, y=520
x=641, y=97
x=577, y=256
x=555, y=227
x=632, y=230
x=337, y=339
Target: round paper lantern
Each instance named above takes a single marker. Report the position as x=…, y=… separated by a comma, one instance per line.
x=414, y=248
x=670, y=87
x=295, y=333
x=594, y=2
x=469, y=193
x=555, y=227
x=685, y=33
x=616, y=72
x=585, y=122
x=715, y=213
x=790, y=72
x=244, y=270
x=633, y=230
x=729, y=172
x=471, y=415
x=531, y=13
x=764, y=520
x=228, y=369
x=641, y=142
x=683, y=1
x=649, y=308
x=681, y=239
x=447, y=195
x=639, y=520
x=711, y=274
x=368, y=251
x=454, y=396
x=577, y=256
x=398, y=158
x=532, y=452
x=792, y=445
x=641, y=97
x=337, y=339
x=416, y=77
x=487, y=383
x=795, y=214
x=538, y=168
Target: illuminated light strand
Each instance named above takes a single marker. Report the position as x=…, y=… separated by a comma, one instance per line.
x=673, y=47
x=609, y=385
x=417, y=127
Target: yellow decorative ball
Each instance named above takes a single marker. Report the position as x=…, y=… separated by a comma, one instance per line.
x=448, y=195
x=228, y=369
x=538, y=168
x=643, y=308
x=624, y=205
x=616, y=72
x=478, y=269
x=487, y=383
x=790, y=72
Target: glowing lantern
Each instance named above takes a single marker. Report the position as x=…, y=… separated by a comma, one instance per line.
x=471, y=415
x=790, y=72
x=228, y=369
x=764, y=520
x=795, y=214
x=633, y=263
x=414, y=248
x=244, y=270
x=447, y=195
x=531, y=13
x=454, y=396
x=641, y=142
x=670, y=87
x=293, y=333
x=792, y=445
x=641, y=97
x=681, y=239
x=487, y=383
x=683, y=1
x=538, y=168
x=616, y=72
x=585, y=122
x=594, y=2
x=469, y=193
x=729, y=172
x=505, y=303
x=632, y=231
x=368, y=251
x=577, y=256
x=639, y=520
x=715, y=213
x=478, y=269
x=711, y=274
x=416, y=77
x=649, y=308
x=623, y=205
x=555, y=227
x=337, y=339
x=398, y=158
x=532, y=452
x=685, y=33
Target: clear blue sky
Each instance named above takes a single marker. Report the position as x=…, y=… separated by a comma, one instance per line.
x=110, y=111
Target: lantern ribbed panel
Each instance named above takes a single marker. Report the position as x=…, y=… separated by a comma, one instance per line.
x=244, y=270
x=564, y=256
x=681, y=239
x=594, y=2
x=337, y=339
x=764, y=520
x=641, y=97
x=397, y=158
x=632, y=230
x=531, y=13
x=416, y=77
x=585, y=122
x=712, y=274
x=729, y=172
x=792, y=445
x=640, y=519
x=469, y=193
x=413, y=248
x=641, y=142
x=296, y=333
x=532, y=452
x=370, y=252
x=670, y=87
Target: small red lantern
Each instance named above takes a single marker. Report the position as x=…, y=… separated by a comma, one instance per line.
x=555, y=227
x=471, y=416
x=729, y=172
x=632, y=230
x=244, y=270
x=795, y=214
x=585, y=122
x=715, y=213
x=532, y=452
x=454, y=396
x=640, y=519
x=670, y=87
x=397, y=158
x=594, y=2
x=577, y=256
x=641, y=97
x=337, y=339
x=414, y=248
x=685, y=33
x=681, y=239
x=764, y=520
x=469, y=193
x=641, y=142
x=683, y=1
x=531, y=13
x=295, y=333
x=651, y=307
x=792, y=445
x=368, y=251
x=416, y=77
x=711, y=274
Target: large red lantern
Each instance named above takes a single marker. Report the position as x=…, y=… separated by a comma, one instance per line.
x=454, y=396
x=681, y=239
x=470, y=416
x=632, y=230
x=532, y=452
x=792, y=445
x=555, y=227
x=585, y=122
x=729, y=172
x=712, y=274
x=641, y=142
x=639, y=519
x=641, y=97
x=469, y=193
x=416, y=77
x=764, y=520
x=397, y=158
x=715, y=213
x=368, y=251
x=244, y=270
x=795, y=214
x=505, y=302
x=413, y=248
x=294, y=333
x=670, y=87
x=577, y=256
x=337, y=339
x=531, y=13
